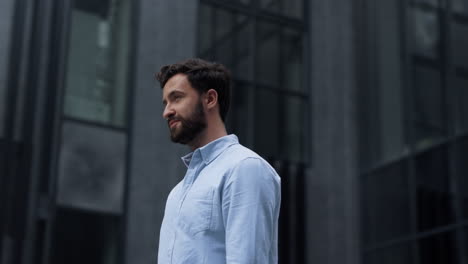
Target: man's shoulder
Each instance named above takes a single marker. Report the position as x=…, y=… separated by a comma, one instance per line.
x=238, y=155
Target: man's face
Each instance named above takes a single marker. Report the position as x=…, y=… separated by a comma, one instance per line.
x=183, y=110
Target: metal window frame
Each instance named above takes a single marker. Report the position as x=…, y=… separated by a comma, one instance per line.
x=254, y=14
x=450, y=141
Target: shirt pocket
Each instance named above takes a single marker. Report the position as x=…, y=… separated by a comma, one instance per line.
x=196, y=211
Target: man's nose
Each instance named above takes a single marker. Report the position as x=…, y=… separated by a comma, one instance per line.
x=168, y=111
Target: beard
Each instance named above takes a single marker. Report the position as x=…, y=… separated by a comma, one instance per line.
x=190, y=127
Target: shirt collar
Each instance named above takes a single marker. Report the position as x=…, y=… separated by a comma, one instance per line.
x=211, y=150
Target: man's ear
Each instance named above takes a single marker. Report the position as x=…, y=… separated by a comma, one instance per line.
x=211, y=98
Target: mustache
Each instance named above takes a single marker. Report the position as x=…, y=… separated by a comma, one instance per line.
x=172, y=118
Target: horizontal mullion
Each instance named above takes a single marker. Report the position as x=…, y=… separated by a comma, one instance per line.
x=258, y=13
x=407, y=154
x=94, y=123
x=416, y=236
x=272, y=88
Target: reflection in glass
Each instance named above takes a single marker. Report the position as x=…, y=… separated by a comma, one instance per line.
x=239, y=113
x=291, y=8
x=459, y=41
x=266, y=123
x=432, y=3
x=292, y=60
x=460, y=6
x=435, y=200
x=381, y=101
x=91, y=168
x=428, y=107
x=461, y=86
x=243, y=67
x=426, y=33
x=84, y=237
x=386, y=204
x=2, y=109
x=462, y=175
x=268, y=39
x=439, y=249
x=205, y=19
x=224, y=24
x=97, y=61
x=294, y=128
x=400, y=253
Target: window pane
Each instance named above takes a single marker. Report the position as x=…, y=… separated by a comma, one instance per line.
x=401, y=254
x=428, y=107
x=434, y=197
x=2, y=109
x=460, y=7
x=292, y=60
x=268, y=41
x=461, y=85
x=439, y=249
x=84, y=237
x=266, y=123
x=238, y=115
x=205, y=29
x=295, y=129
x=386, y=204
x=224, y=37
x=381, y=103
x=459, y=41
x=292, y=8
x=91, y=168
x=426, y=33
x=243, y=68
x=97, y=62
x=432, y=3
x=462, y=175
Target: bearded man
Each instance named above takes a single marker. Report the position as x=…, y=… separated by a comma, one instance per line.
x=226, y=208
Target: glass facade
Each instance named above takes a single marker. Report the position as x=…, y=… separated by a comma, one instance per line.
x=91, y=173
x=96, y=79
x=263, y=44
x=265, y=51
x=413, y=114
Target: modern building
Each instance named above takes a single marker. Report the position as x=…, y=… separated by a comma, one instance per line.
x=361, y=106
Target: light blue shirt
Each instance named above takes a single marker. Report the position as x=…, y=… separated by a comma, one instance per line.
x=225, y=210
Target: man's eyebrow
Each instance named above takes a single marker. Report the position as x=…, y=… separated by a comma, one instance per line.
x=172, y=94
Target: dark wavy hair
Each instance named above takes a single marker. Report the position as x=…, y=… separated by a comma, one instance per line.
x=202, y=75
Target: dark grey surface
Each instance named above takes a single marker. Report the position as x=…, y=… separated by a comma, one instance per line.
x=332, y=211
x=166, y=34
x=6, y=19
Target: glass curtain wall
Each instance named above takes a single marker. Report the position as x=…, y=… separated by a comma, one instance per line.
x=263, y=43
x=413, y=127
x=88, y=223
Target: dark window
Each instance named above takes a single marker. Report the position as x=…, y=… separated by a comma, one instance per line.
x=262, y=42
x=439, y=249
x=91, y=169
x=85, y=237
x=386, y=204
x=401, y=253
x=434, y=197
x=96, y=81
x=414, y=120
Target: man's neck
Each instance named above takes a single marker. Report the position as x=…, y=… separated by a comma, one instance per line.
x=208, y=135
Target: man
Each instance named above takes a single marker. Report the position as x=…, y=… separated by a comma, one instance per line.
x=226, y=208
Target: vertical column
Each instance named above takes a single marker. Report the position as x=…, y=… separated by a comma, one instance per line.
x=166, y=34
x=332, y=231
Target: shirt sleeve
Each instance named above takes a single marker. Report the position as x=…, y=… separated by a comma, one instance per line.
x=251, y=200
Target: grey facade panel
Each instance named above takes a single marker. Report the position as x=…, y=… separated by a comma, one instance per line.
x=6, y=19
x=332, y=230
x=166, y=34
